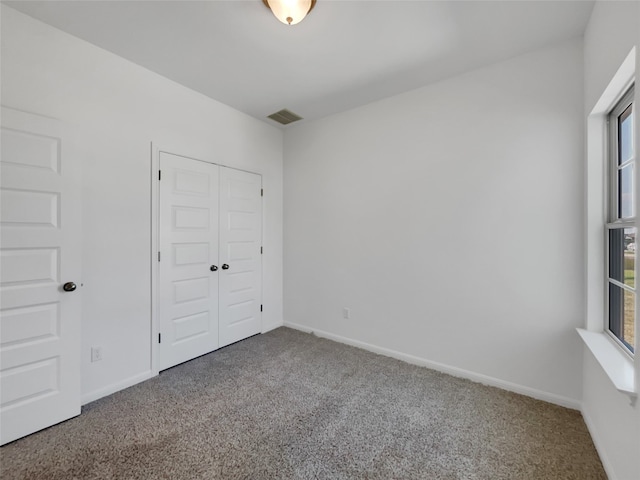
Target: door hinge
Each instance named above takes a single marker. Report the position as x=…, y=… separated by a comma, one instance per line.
x=261, y=250
x=159, y=174
x=159, y=338
x=260, y=307
x=262, y=192
x=158, y=256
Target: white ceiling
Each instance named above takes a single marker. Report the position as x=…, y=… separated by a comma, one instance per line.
x=344, y=54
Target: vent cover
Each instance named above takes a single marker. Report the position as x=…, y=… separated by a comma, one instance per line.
x=284, y=117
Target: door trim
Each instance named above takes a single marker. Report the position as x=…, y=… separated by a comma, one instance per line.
x=155, y=151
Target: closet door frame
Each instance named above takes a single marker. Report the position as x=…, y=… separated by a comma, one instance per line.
x=194, y=154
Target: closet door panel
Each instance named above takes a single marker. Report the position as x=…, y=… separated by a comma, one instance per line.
x=188, y=239
x=240, y=250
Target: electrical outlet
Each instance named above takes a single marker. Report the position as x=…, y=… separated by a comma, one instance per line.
x=96, y=354
x=346, y=313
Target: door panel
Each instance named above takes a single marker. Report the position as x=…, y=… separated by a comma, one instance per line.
x=39, y=323
x=26, y=324
x=240, y=244
x=188, y=289
x=23, y=208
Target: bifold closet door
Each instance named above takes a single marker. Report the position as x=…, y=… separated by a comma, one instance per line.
x=188, y=259
x=240, y=255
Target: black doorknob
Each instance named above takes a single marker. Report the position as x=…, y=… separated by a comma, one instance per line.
x=69, y=287
x=213, y=268
x=225, y=267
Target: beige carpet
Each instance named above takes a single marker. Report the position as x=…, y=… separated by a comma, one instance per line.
x=290, y=405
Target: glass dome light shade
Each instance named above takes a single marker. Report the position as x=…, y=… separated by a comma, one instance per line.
x=290, y=12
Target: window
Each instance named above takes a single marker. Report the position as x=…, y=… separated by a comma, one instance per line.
x=621, y=231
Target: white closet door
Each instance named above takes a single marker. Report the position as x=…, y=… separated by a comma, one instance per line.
x=188, y=274
x=40, y=238
x=240, y=243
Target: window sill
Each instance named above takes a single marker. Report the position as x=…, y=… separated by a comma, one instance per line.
x=617, y=365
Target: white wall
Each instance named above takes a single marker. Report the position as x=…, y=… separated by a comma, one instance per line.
x=114, y=110
x=614, y=28
x=449, y=220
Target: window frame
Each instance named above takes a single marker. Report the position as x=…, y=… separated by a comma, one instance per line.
x=612, y=210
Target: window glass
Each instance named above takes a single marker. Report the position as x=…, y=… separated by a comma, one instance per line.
x=626, y=136
x=622, y=315
x=616, y=254
x=622, y=255
x=630, y=257
x=629, y=321
x=625, y=191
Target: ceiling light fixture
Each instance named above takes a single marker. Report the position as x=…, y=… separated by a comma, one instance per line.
x=290, y=12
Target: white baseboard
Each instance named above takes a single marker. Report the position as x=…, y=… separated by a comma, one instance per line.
x=606, y=463
x=440, y=367
x=116, y=387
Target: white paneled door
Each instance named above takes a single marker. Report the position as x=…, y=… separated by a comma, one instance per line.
x=240, y=255
x=209, y=272
x=40, y=274
x=188, y=268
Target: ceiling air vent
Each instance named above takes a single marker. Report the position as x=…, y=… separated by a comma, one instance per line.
x=284, y=117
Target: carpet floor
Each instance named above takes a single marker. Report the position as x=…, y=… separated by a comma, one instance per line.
x=289, y=405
